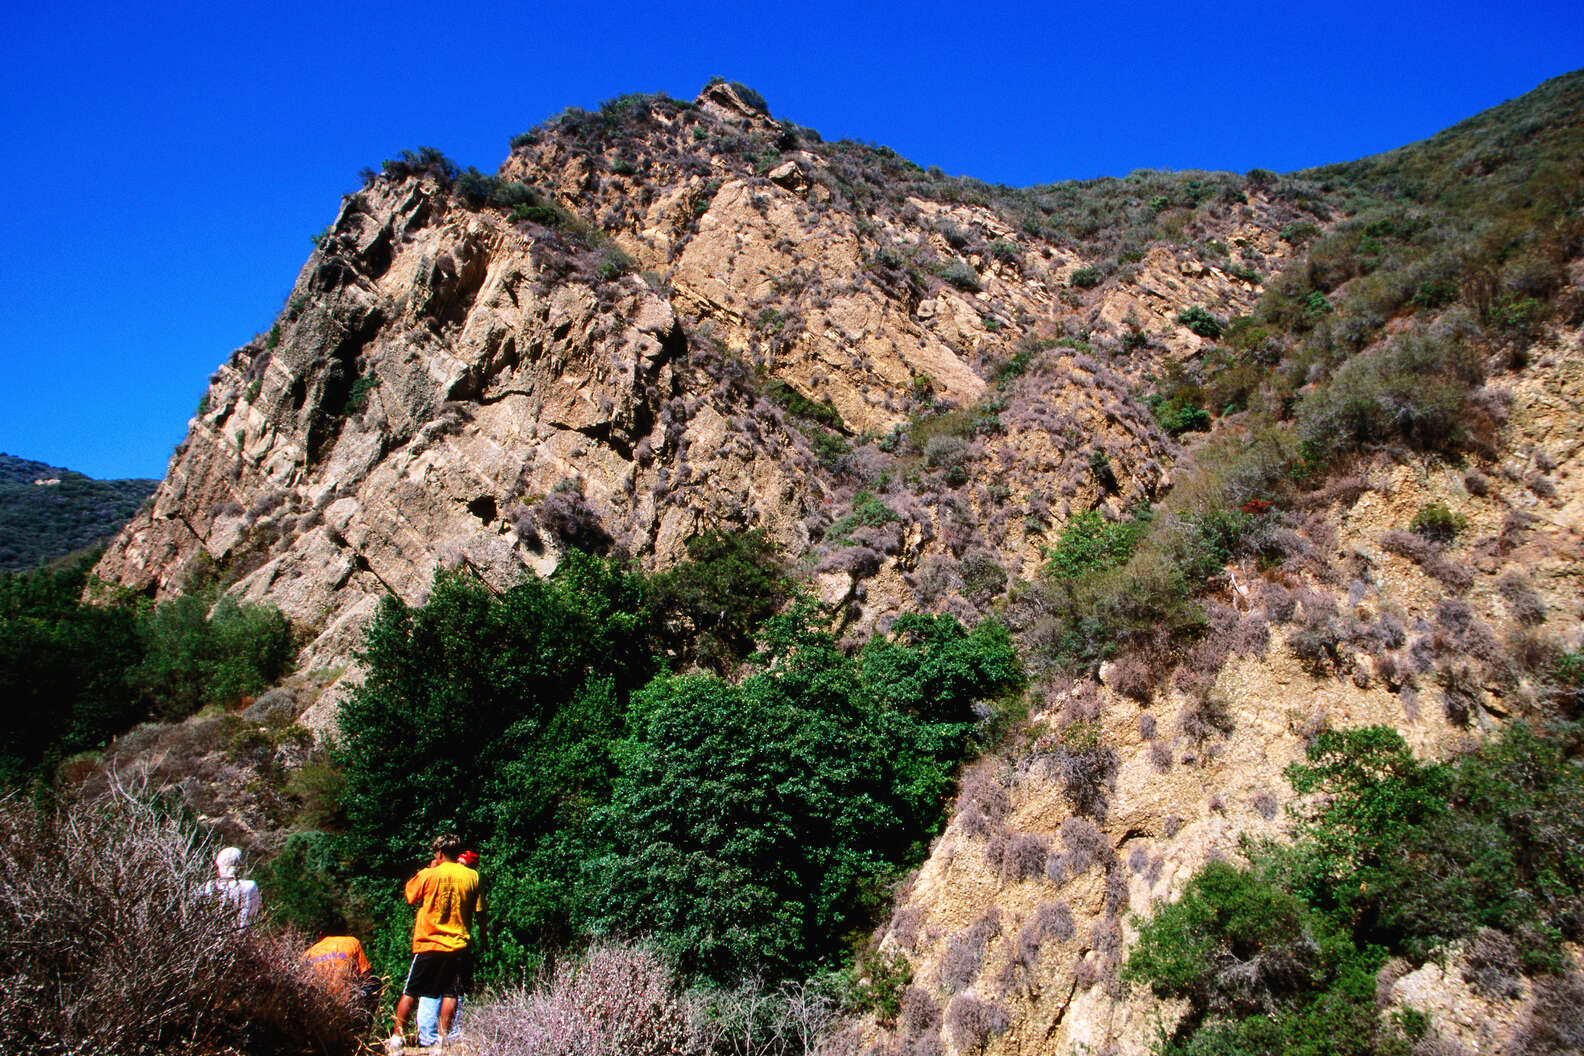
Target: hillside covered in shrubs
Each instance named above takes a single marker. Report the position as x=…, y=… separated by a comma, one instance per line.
x=47, y=512
x=856, y=610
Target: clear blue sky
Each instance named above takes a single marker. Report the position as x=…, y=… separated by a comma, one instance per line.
x=168, y=162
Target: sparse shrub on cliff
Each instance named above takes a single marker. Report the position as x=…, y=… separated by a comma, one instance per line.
x=1429, y=556
x=1493, y=965
x=1085, y=765
x=425, y=162
x=1085, y=845
x=962, y=276
x=1201, y=322
x=920, y=1013
x=972, y=1021
x=1553, y=1024
x=1024, y=857
x=868, y=510
x=566, y=515
x=1523, y=603
x=1437, y=523
x=1205, y=717
x=965, y=952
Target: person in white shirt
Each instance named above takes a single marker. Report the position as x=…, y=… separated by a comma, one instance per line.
x=242, y=896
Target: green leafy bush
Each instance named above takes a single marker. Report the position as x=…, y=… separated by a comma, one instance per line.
x=1435, y=521
x=1178, y=414
x=1393, y=856
x=822, y=411
x=752, y=820
x=198, y=651
x=1085, y=278
x=1201, y=322
x=358, y=395
x=709, y=606
x=868, y=510
x=1262, y=972
x=1089, y=543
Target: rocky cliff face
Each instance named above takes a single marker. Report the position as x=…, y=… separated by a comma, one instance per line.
x=448, y=386
x=705, y=318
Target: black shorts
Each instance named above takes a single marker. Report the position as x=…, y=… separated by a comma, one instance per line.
x=439, y=973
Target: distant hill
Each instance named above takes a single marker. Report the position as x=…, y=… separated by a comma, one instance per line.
x=47, y=512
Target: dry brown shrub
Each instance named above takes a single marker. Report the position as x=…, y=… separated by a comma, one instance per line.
x=1428, y=556
x=1344, y=489
x=905, y=926
x=1393, y=970
x=972, y=1021
x=1133, y=676
x=1264, y=804
x=1205, y=717
x=1052, y=921
x=1553, y=1023
x=1532, y=650
x=1522, y=601
x=1116, y=889
x=111, y=944
x=1086, y=845
x=964, y=954
x=1024, y=857
x=920, y=1014
x=984, y=790
x=614, y=1001
x=1494, y=966
x=1085, y=765
x=1461, y=693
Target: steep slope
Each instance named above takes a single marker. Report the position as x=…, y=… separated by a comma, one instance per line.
x=449, y=385
x=662, y=317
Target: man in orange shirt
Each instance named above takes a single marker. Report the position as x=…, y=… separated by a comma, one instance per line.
x=342, y=968
x=449, y=899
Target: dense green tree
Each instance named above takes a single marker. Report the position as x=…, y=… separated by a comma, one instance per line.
x=464, y=720
x=751, y=820
x=62, y=670
x=710, y=605
x=199, y=651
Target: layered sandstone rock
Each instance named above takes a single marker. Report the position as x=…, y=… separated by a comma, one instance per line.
x=444, y=382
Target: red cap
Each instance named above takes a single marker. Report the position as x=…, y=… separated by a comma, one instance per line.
x=468, y=858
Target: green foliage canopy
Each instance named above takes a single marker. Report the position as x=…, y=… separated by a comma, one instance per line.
x=1393, y=856
x=750, y=821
